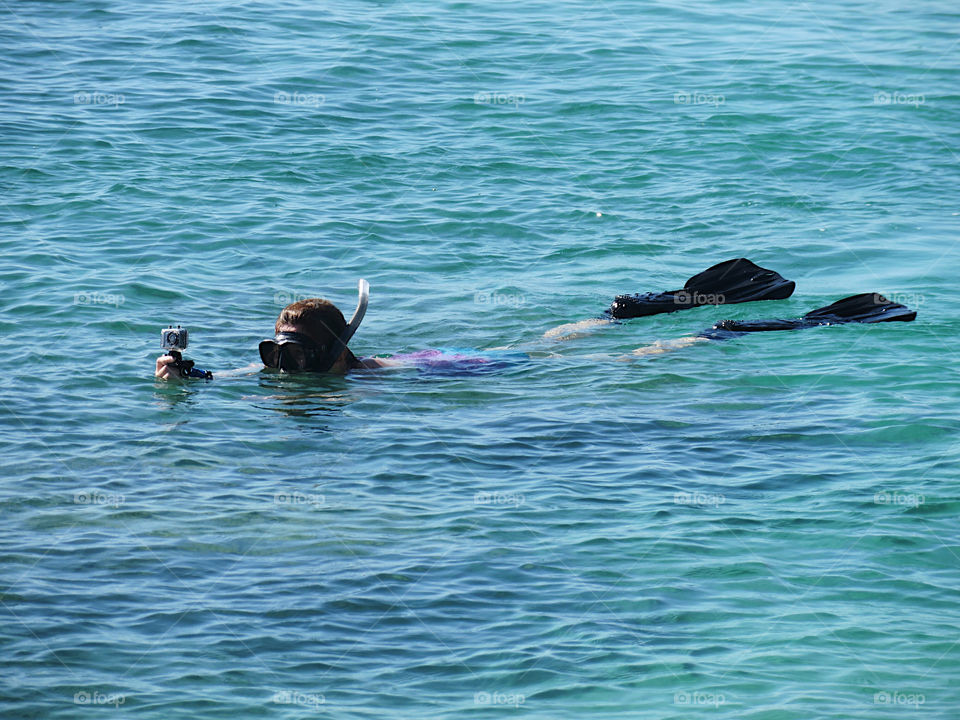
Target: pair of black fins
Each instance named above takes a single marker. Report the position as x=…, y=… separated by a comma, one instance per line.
x=740, y=281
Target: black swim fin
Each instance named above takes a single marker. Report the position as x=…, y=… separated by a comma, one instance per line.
x=863, y=308
x=732, y=281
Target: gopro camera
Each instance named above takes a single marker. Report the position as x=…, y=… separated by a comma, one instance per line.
x=173, y=338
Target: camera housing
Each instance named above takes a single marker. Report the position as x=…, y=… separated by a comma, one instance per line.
x=174, y=338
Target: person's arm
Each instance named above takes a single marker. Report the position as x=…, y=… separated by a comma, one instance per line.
x=167, y=370
x=664, y=346
x=372, y=363
x=245, y=370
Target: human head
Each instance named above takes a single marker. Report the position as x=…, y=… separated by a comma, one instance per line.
x=322, y=322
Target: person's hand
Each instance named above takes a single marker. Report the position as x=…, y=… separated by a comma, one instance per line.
x=165, y=368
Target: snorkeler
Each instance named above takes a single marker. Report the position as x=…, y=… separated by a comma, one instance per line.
x=312, y=335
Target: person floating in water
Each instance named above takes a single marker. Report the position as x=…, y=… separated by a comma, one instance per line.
x=312, y=335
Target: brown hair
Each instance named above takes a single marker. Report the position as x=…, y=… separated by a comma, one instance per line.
x=320, y=319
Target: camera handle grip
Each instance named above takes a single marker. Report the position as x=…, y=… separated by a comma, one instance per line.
x=185, y=367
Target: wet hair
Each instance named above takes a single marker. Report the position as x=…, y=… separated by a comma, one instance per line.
x=319, y=319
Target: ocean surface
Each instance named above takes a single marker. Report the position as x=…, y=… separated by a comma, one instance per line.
x=762, y=528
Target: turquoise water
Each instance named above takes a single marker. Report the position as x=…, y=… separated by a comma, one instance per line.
x=761, y=528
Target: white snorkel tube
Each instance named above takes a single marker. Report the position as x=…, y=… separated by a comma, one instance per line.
x=363, y=296
x=363, y=292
